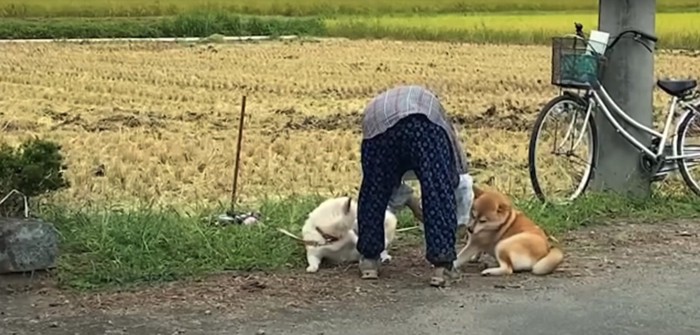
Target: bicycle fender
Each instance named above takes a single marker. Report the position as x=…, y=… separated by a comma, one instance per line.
x=680, y=124
x=576, y=97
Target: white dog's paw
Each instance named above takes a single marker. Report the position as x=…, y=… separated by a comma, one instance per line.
x=312, y=268
x=475, y=258
x=386, y=258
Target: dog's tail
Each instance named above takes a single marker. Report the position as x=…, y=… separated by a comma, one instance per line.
x=548, y=263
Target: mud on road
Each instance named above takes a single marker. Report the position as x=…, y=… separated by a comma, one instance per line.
x=607, y=256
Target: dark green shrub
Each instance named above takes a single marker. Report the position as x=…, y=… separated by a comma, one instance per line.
x=34, y=168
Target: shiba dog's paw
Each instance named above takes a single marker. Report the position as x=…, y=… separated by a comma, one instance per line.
x=312, y=268
x=475, y=259
x=495, y=272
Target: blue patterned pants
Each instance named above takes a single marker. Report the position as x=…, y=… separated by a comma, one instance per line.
x=414, y=143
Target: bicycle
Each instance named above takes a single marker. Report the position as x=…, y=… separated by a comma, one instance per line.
x=576, y=67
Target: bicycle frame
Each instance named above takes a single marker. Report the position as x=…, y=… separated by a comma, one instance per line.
x=598, y=94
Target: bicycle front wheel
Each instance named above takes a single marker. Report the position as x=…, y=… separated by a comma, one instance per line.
x=688, y=146
x=561, y=162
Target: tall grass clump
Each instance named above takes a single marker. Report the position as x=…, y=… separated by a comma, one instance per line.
x=196, y=24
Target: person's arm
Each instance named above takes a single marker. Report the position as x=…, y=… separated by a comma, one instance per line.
x=457, y=146
x=413, y=204
x=404, y=196
x=460, y=157
x=399, y=197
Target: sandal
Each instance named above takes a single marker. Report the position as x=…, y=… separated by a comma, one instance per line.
x=369, y=269
x=441, y=274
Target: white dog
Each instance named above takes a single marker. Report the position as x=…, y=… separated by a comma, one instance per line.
x=330, y=232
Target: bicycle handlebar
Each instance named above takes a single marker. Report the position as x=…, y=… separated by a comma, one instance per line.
x=645, y=35
x=637, y=33
x=650, y=37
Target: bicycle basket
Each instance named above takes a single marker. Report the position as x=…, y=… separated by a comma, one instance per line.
x=573, y=66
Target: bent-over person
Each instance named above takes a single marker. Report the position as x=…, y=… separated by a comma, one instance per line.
x=405, y=131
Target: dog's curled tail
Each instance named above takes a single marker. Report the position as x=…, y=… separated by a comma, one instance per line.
x=548, y=263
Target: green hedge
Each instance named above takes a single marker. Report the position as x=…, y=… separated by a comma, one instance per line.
x=184, y=25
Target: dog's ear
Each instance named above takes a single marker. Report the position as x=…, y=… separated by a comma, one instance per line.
x=348, y=206
x=477, y=191
x=503, y=208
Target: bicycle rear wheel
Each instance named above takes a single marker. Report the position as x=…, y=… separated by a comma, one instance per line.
x=689, y=143
x=545, y=171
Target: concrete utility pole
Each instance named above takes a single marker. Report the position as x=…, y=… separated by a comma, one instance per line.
x=629, y=79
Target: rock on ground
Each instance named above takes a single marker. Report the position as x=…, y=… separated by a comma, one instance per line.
x=27, y=244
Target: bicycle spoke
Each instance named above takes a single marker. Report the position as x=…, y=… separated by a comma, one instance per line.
x=573, y=122
x=561, y=171
x=582, y=161
x=554, y=144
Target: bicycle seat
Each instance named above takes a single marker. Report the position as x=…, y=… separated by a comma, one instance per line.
x=676, y=87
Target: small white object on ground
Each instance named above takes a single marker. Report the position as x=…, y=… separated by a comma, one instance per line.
x=248, y=218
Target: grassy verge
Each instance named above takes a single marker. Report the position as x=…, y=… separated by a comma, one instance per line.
x=675, y=30
x=113, y=248
x=183, y=25
x=104, y=8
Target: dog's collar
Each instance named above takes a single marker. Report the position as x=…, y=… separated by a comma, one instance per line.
x=327, y=238
x=514, y=213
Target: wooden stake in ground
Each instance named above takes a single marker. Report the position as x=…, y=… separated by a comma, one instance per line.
x=238, y=158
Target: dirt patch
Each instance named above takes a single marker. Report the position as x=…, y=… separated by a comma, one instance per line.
x=337, y=121
x=507, y=117
x=591, y=252
x=118, y=121
x=18, y=126
x=118, y=118
x=628, y=244
x=238, y=291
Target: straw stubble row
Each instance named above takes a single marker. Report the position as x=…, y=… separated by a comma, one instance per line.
x=162, y=118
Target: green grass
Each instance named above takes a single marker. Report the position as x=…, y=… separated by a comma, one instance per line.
x=195, y=24
x=675, y=30
x=111, y=8
x=107, y=248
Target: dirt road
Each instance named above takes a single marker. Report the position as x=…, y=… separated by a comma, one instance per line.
x=618, y=279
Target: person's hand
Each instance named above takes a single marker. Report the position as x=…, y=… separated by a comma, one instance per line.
x=413, y=203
